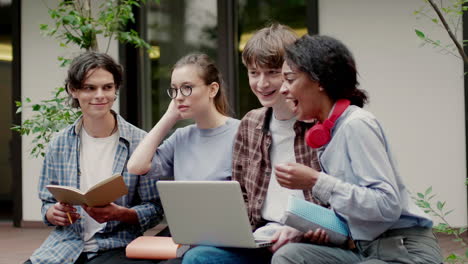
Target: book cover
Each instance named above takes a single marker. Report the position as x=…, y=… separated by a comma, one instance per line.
x=152, y=247
x=102, y=193
x=305, y=216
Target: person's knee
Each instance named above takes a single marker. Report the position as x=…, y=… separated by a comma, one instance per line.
x=285, y=254
x=191, y=256
x=197, y=255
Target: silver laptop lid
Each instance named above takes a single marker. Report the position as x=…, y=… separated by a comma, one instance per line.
x=206, y=213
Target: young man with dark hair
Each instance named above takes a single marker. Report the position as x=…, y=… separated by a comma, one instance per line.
x=97, y=146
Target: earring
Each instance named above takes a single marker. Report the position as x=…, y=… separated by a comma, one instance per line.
x=321, y=89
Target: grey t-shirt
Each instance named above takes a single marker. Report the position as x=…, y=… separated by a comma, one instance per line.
x=194, y=154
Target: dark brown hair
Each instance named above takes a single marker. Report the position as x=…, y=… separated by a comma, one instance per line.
x=209, y=73
x=266, y=47
x=85, y=62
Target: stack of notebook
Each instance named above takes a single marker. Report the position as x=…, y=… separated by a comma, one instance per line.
x=152, y=247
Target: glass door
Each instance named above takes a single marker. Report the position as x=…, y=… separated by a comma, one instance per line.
x=6, y=101
x=174, y=29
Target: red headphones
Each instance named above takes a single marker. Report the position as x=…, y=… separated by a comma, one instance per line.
x=319, y=134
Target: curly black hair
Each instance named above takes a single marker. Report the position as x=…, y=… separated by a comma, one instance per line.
x=330, y=63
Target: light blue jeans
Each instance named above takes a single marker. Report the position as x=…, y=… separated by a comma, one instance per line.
x=215, y=255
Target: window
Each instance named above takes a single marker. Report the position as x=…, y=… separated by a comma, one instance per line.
x=174, y=29
x=6, y=58
x=219, y=28
x=257, y=14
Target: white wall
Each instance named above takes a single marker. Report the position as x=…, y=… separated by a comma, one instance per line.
x=40, y=74
x=416, y=92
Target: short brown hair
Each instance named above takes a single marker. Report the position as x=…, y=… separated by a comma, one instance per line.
x=266, y=47
x=82, y=64
x=209, y=73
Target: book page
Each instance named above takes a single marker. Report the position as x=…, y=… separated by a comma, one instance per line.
x=103, y=193
x=67, y=194
x=106, y=191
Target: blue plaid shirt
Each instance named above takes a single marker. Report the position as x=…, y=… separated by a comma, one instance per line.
x=61, y=167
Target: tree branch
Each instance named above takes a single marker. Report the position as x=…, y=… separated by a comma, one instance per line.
x=87, y=9
x=449, y=31
x=117, y=14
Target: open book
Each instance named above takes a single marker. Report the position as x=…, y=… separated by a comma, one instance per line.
x=104, y=192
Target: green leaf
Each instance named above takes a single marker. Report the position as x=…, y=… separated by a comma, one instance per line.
x=448, y=212
x=53, y=13
x=426, y=204
x=36, y=107
x=66, y=20
x=420, y=34
x=420, y=195
x=440, y=205
x=428, y=191
x=462, y=230
x=37, y=129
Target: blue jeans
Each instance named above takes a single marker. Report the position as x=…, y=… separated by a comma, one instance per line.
x=208, y=255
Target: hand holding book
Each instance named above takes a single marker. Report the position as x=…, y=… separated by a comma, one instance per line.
x=61, y=214
x=306, y=216
x=101, y=194
x=318, y=236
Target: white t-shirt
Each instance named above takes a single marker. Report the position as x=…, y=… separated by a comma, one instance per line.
x=96, y=161
x=281, y=150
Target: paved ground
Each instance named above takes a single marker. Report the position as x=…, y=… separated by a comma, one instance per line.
x=17, y=244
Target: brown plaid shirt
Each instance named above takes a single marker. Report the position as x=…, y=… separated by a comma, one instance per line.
x=251, y=165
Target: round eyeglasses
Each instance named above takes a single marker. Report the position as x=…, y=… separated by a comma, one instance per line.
x=185, y=90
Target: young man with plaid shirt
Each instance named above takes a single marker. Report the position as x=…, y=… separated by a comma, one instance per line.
x=97, y=146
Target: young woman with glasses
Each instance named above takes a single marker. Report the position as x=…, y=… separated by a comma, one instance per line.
x=202, y=151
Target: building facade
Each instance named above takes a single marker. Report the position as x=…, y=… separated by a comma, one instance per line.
x=417, y=92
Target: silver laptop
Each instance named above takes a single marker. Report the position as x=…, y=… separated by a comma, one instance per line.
x=207, y=213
